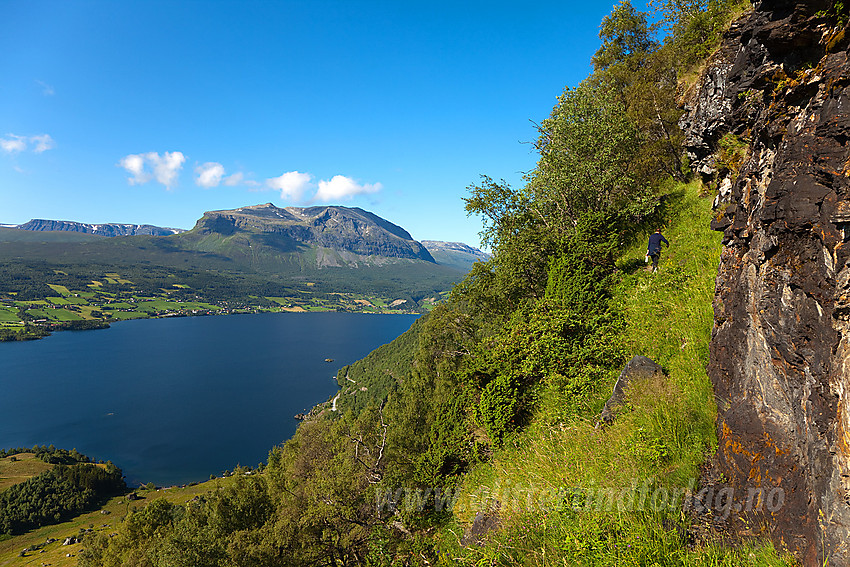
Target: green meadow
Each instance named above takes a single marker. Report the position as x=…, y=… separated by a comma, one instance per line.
x=102, y=521
x=112, y=298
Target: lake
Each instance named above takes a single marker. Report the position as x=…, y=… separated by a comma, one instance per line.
x=172, y=401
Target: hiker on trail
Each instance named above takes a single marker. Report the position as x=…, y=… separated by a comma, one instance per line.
x=654, y=249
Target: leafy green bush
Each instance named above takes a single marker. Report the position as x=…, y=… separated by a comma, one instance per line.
x=695, y=26
x=498, y=407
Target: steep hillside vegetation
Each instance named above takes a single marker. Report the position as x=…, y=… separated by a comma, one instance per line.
x=567, y=490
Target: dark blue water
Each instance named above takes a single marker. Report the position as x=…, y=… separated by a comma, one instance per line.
x=172, y=401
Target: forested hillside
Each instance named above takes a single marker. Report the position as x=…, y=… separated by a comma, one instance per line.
x=476, y=438
x=74, y=484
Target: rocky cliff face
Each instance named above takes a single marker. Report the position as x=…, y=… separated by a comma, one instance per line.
x=348, y=230
x=780, y=350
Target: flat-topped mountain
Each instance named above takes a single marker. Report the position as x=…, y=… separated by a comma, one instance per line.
x=105, y=229
x=327, y=236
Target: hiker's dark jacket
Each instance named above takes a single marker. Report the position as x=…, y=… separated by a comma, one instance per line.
x=655, y=240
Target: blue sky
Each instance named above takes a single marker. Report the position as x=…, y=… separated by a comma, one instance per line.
x=154, y=112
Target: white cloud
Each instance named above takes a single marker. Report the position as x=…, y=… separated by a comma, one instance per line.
x=13, y=143
x=46, y=90
x=341, y=187
x=135, y=166
x=234, y=180
x=209, y=174
x=144, y=167
x=43, y=142
x=291, y=184
x=166, y=168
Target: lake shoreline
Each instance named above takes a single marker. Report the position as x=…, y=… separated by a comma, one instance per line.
x=176, y=400
x=44, y=330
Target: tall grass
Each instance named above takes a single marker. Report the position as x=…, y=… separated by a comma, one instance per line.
x=577, y=493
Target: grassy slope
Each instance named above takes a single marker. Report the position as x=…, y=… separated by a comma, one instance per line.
x=104, y=520
x=554, y=482
x=24, y=467
x=19, y=235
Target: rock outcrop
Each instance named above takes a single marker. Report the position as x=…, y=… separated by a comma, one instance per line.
x=780, y=350
x=638, y=368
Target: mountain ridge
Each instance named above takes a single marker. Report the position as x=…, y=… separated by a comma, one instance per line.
x=455, y=254
x=312, y=257
x=356, y=235
x=284, y=229
x=109, y=229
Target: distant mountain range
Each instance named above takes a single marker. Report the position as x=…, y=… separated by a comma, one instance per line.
x=455, y=254
x=265, y=235
x=107, y=229
x=245, y=253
